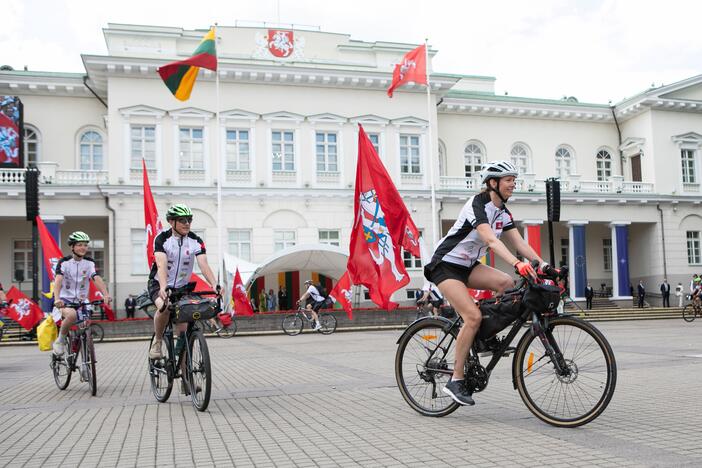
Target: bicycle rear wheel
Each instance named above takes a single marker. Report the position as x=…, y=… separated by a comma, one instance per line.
x=328, y=323
x=292, y=324
x=61, y=369
x=228, y=331
x=423, y=364
x=160, y=371
x=88, y=357
x=583, y=390
x=97, y=331
x=199, y=370
x=689, y=313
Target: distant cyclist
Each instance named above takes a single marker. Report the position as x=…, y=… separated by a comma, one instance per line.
x=315, y=301
x=72, y=285
x=175, y=253
x=431, y=294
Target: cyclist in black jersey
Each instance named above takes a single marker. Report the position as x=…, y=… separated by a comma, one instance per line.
x=175, y=252
x=455, y=265
x=71, y=285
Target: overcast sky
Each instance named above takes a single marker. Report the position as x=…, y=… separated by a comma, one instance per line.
x=594, y=50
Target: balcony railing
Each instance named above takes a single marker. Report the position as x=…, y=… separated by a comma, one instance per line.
x=528, y=184
x=11, y=176
x=67, y=177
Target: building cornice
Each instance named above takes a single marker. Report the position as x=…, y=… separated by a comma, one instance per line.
x=43, y=84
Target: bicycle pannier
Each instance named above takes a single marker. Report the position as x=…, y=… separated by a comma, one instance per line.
x=192, y=308
x=542, y=298
x=498, y=314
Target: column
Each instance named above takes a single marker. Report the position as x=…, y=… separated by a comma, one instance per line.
x=577, y=259
x=53, y=225
x=620, y=260
x=532, y=234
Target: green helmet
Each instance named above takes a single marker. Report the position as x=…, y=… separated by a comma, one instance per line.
x=178, y=211
x=78, y=236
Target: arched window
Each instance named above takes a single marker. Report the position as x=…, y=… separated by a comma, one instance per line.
x=472, y=159
x=91, y=151
x=442, y=159
x=564, y=163
x=31, y=145
x=520, y=158
x=604, y=165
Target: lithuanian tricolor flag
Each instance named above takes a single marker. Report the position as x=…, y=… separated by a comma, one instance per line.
x=180, y=76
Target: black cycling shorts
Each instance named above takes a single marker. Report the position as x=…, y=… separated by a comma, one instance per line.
x=316, y=305
x=438, y=271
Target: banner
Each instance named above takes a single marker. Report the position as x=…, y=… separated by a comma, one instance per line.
x=240, y=301
x=412, y=68
x=22, y=309
x=342, y=294
x=11, y=132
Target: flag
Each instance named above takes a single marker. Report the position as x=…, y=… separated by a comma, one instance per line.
x=94, y=294
x=342, y=294
x=50, y=250
x=180, y=76
x=200, y=284
x=23, y=310
x=375, y=259
x=152, y=224
x=240, y=301
x=412, y=68
x=411, y=241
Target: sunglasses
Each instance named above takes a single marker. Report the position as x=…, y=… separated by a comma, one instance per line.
x=185, y=220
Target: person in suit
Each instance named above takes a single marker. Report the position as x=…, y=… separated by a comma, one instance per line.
x=283, y=298
x=130, y=306
x=589, y=293
x=665, y=292
x=642, y=293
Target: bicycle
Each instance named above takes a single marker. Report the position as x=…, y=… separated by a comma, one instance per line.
x=563, y=367
x=424, y=309
x=692, y=310
x=222, y=331
x=191, y=362
x=79, y=343
x=98, y=332
x=292, y=323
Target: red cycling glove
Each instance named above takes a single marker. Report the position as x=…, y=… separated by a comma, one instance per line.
x=524, y=269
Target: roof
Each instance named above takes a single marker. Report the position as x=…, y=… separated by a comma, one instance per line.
x=508, y=98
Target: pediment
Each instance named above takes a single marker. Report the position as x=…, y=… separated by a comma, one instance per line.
x=410, y=122
x=369, y=119
x=238, y=114
x=190, y=112
x=690, y=138
x=327, y=118
x=142, y=110
x=283, y=116
x=632, y=145
x=692, y=92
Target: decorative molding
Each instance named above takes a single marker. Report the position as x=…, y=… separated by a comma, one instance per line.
x=410, y=122
x=283, y=116
x=632, y=146
x=190, y=112
x=142, y=110
x=327, y=118
x=369, y=119
x=238, y=114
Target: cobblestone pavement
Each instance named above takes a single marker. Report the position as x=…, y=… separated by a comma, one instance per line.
x=314, y=400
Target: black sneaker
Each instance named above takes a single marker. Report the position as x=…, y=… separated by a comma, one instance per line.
x=456, y=389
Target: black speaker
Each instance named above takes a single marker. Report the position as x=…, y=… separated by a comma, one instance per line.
x=31, y=184
x=553, y=199
x=19, y=275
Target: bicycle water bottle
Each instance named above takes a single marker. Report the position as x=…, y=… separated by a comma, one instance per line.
x=75, y=344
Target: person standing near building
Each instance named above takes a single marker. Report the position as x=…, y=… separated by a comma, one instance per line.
x=272, y=302
x=642, y=293
x=130, y=306
x=679, y=293
x=262, y=301
x=283, y=298
x=589, y=293
x=665, y=292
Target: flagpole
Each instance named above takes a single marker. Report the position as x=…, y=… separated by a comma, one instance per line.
x=220, y=170
x=430, y=146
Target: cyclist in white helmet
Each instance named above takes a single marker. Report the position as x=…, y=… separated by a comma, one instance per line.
x=455, y=265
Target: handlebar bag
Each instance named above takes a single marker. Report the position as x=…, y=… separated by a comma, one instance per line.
x=193, y=308
x=542, y=298
x=498, y=314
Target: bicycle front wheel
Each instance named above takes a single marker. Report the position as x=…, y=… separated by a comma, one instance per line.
x=88, y=356
x=292, y=324
x=199, y=377
x=582, y=390
x=423, y=364
x=61, y=369
x=689, y=313
x=161, y=371
x=328, y=323
x=97, y=331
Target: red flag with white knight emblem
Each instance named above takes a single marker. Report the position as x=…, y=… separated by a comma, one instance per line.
x=94, y=294
x=151, y=222
x=375, y=259
x=49, y=248
x=280, y=42
x=411, y=241
x=412, y=68
x=241, y=303
x=22, y=309
x=342, y=294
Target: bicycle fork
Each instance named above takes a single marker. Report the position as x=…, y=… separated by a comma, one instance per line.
x=550, y=345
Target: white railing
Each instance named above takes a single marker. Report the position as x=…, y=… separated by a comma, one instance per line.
x=691, y=187
x=238, y=175
x=411, y=179
x=136, y=175
x=191, y=175
x=637, y=187
x=78, y=177
x=567, y=185
x=457, y=183
x=596, y=186
x=328, y=177
x=284, y=177
x=11, y=176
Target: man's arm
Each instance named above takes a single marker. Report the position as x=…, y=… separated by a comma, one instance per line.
x=206, y=270
x=97, y=279
x=161, y=260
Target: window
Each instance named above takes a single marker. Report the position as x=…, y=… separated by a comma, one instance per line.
x=240, y=243
x=331, y=237
x=520, y=158
x=139, y=262
x=366, y=294
x=604, y=165
x=472, y=159
x=237, y=149
x=191, y=148
x=143, y=146
x=283, y=151
x=564, y=251
x=694, y=257
x=607, y=254
x=283, y=240
x=375, y=140
x=409, y=154
x=31, y=145
x=443, y=163
x=414, y=294
x=564, y=163
x=689, y=174
x=22, y=258
x=91, y=151
x=326, y=149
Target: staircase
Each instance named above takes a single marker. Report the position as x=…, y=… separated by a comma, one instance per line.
x=13, y=331
x=616, y=314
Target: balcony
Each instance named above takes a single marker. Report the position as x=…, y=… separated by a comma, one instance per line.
x=49, y=175
x=570, y=185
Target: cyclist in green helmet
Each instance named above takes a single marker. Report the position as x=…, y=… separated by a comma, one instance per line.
x=71, y=285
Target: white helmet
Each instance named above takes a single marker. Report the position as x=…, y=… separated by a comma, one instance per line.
x=497, y=169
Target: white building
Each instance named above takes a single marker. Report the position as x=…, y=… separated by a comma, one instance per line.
x=288, y=129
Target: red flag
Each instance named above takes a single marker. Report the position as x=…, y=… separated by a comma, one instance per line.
x=49, y=248
x=342, y=294
x=412, y=67
x=242, y=305
x=94, y=294
x=23, y=310
x=378, y=231
x=411, y=240
x=200, y=284
x=152, y=224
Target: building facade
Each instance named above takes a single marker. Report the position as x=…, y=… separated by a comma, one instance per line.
x=285, y=128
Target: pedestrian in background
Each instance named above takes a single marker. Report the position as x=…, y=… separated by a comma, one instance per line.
x=589, y=293
x=130, y=305
x=272, y=301
x=665, y=292
x=283, y=298
x=642, y=293
x=262, y=301
x=679, y=292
